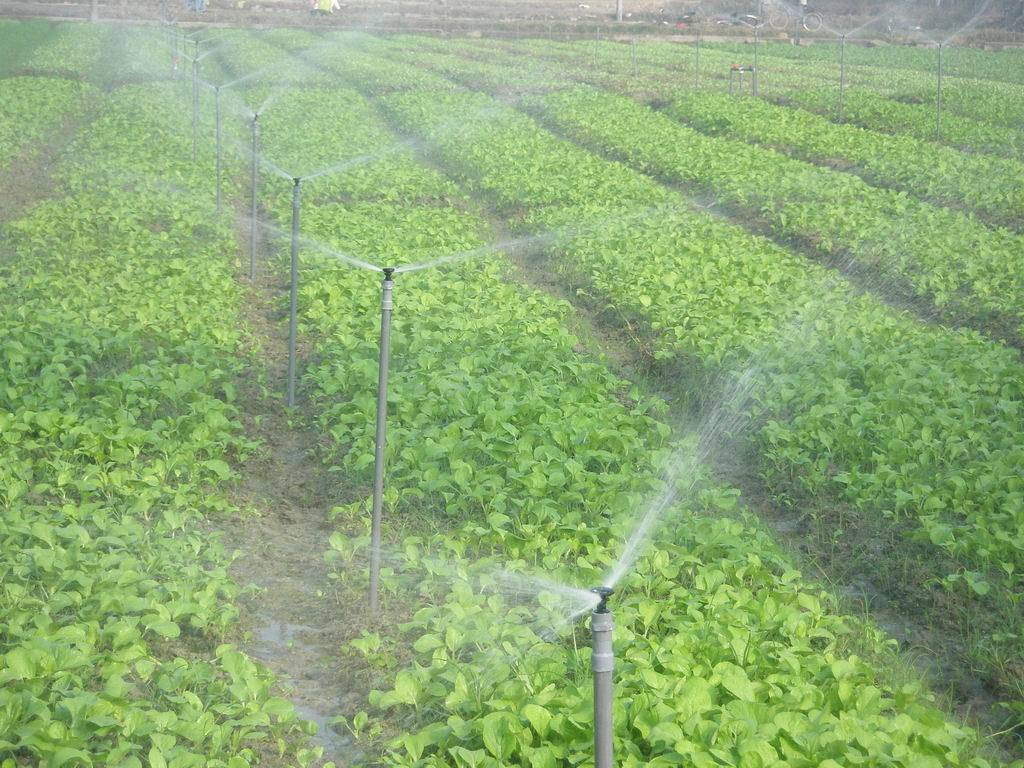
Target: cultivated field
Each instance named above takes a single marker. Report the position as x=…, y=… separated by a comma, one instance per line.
x=746, y=351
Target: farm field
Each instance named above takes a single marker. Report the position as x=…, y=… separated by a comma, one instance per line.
x=752, y=365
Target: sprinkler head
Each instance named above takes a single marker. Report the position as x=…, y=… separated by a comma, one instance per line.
x=604, y=593
x=388, y=272
x=296, y=180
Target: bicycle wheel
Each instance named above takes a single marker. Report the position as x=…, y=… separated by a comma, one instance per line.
x=778, y=19
x=812, y=22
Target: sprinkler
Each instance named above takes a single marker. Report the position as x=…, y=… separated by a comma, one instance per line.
x=602, y=661
x=293, y=309
x=696, y=63
x=632, y=48
x=737, y=70
x=842, y=73
x=255, y=182
x=386, y=306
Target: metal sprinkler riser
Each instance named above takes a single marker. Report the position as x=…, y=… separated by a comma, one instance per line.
x=255, y=183
x=602, y=662
x=386, y=307
x=294, y=302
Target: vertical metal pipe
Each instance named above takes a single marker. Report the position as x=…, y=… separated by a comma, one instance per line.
x=255, y=184
x=633, y=52
x=732, y=73
x=382, y=422
x=618, y=10
x=294, y=306
x=195, y=106
x=842, y=74
x=938, y=97
x=754, y=75
x=696, y=64
x=216, y=110
x=602, y=662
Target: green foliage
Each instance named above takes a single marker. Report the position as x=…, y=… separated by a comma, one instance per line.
x=119, y=342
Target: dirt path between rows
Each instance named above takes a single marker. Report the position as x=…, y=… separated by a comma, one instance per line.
x=293, y=621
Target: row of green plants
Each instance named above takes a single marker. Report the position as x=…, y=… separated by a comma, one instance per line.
x=529, y=458
x=993, y=101
x=957, y=60
x=31, y=108
x=959, y=264
x=963, y=267
x=121, y=347
x=972, y=108
x=878, y=113
x=864, y=102
x=534, y=64
x=992, y=187
x=543, y=182
x=17, y=41
x=76, y=51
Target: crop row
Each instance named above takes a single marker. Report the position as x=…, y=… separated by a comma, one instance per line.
x=30, y=109
x=660, y=75
x=996, y=102
x=20, y=38
x=957, y=262
x=971, y=108
x=878, y=113
x=531, y=64
x=540, y=461
x=974, y=63
x=990, y=186
x=949, y=489
x=117, y=429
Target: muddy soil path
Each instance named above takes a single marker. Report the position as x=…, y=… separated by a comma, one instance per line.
x=294, y=621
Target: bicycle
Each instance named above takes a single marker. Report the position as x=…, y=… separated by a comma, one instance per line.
x=779, y=17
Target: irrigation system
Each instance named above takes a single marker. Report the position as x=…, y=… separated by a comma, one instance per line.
x=602, y=663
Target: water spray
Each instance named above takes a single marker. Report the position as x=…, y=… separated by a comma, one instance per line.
x=602, y=662
x=255, y=183
x=386, y=305
x=294, y=306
